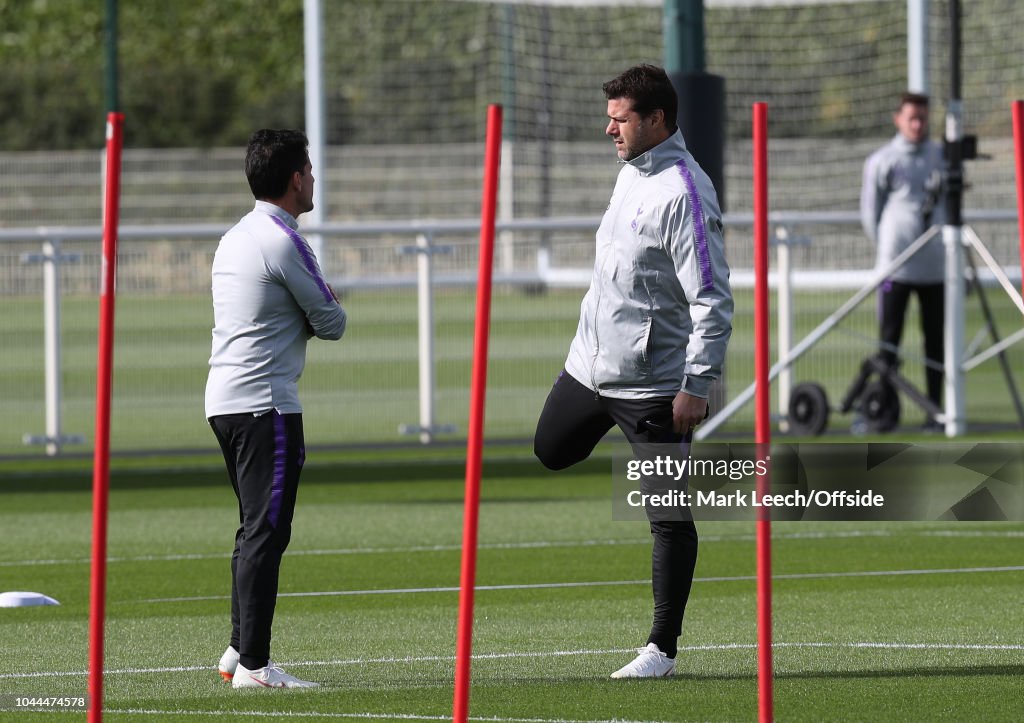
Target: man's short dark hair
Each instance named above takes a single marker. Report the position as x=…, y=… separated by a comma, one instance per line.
x=271, y=159
x=909, y=98
x=650, y=89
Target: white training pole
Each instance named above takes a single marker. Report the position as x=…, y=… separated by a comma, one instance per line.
x=51, y=344
x=955, y=403
x=917, y=46
x=784, y=302
x=506, y=206
x=425, y=334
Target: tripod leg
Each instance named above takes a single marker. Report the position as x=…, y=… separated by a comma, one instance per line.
x=857, y=388
x=990, y=322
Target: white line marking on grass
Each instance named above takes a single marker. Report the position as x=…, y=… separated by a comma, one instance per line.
x=277, y=714
x=341, y=662
x=884, y=646
x=343, y=551
x=603, y=583
x=414, y=590
x=996, y=647
x=906, y=646
x=972, y=533
x=539, y=544
x=362, y=716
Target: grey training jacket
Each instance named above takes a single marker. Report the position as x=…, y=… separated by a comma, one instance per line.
x=267, y=286
x=658, y=315
x=902, y=197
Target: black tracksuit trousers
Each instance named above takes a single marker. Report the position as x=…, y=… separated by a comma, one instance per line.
x=264, y=456
x=893, y=298
x=573, y=421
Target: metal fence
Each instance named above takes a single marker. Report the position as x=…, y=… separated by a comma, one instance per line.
x=403, y=368
x=176, y=203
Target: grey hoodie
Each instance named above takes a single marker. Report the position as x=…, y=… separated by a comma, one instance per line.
x=658, y=315
x=902, y=183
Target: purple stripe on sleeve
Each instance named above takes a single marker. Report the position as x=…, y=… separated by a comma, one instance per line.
x=277, y=488
x=699, y=232
x=307, y=257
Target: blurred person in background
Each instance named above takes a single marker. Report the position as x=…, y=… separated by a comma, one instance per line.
x=902, y=197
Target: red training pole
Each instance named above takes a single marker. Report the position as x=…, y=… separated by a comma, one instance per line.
x=762, y=398
x=101, y=451
x=1018, y=152
x=478, y=392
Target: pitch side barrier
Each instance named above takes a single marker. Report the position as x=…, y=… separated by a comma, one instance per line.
x=425, y=234
x=784, y=223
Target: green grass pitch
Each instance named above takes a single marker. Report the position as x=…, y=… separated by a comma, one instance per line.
x=873, y=622
x=362, y=389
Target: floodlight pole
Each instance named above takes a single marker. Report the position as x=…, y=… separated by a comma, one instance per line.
x=952, y=239
x=701, y=108
x=917, y=46
x=312, y=17
x=701, y=95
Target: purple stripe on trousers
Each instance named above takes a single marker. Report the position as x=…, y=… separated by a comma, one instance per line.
x=883, y=289
x=707, y=281
x=280, y=452
x=307, y=257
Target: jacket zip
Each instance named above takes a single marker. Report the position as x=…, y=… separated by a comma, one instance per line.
x=597, y=305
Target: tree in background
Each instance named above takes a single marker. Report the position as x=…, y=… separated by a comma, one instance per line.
x=192, y=73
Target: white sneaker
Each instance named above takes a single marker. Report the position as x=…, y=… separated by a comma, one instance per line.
x=269, y=676
x=650, y=663
x=228, y=663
